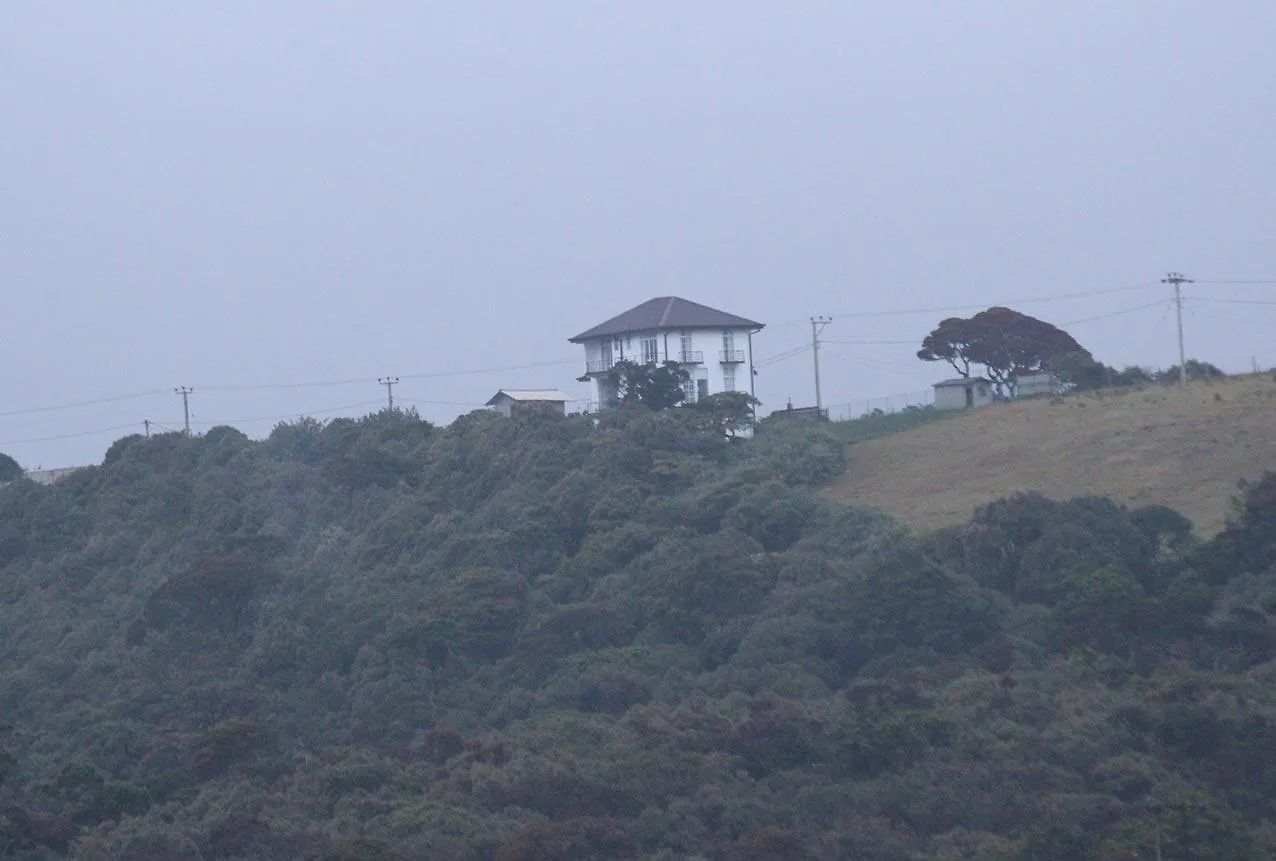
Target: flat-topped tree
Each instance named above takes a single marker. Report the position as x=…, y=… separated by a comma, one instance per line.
x=1007, y=343
x=950, y=342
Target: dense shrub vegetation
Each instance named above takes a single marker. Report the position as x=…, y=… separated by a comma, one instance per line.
x=550, y=639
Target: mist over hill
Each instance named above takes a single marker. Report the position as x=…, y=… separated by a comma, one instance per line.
x=560, y=639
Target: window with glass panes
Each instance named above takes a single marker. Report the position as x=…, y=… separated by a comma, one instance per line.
x=650, y=351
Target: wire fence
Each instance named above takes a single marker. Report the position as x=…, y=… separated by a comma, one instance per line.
x=881, y=405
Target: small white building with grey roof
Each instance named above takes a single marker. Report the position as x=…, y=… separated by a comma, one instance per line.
x=714, y=347
x=963, y=393
x=513, y=402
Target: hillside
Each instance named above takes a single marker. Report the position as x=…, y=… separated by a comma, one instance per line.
x=1185, y=449
x=549, y=640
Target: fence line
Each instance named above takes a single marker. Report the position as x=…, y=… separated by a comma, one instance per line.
x=886, y=404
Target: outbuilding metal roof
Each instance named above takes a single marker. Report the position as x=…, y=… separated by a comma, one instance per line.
x=553, y=395
x=666, y=312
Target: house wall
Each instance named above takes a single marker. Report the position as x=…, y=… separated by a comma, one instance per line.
x=509, y=407
x=804, y=415
x=1035, y=384
x=954, y=397
x=705, y=344
x=950, y=398
x=542, y=408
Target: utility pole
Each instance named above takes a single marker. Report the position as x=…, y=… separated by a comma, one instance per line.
x=1177, y=279
x=147, y=424
x=817, y=326
x=389, y=383
x=186, y=405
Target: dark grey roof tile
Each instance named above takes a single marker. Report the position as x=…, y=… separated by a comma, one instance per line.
x=666, y=312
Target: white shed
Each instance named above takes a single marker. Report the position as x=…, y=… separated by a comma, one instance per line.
x=1036, y=384
x=963, y=393
x=512, y=402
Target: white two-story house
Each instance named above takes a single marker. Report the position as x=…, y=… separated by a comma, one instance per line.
x=714, y=348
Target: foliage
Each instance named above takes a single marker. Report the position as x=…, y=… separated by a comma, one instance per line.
x=1006, y=343
x=656, y=387
x=1136, y=375
x=1248, y=543
x=1078, y=371
x=378, y=638
x=876, y=425
x=802, y=455
x=1194, y=370
x=1133, y=375
x=10, y=469
x=730, y=412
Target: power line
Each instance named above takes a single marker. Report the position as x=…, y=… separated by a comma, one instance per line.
x=288, y=415
x=76, y=404
x=1156, y=304
x=884, y=341
x=781, y=357
x=1234, y=281
x=1251, y=320
x=952, y=308
x=876, y=364
x=265, y=386
x=415, y=401
x=480, y=371
x=871, y=341
x=364, y=380
x=69, y=435
x=1232, y=301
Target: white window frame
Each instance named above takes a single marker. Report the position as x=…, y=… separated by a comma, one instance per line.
x=650, y=350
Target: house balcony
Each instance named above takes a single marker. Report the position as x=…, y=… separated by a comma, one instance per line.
x=600, y=366
x=691, y=357
x=731, y=357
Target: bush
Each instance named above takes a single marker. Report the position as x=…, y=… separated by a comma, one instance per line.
x=230, y=741
x=10, y=470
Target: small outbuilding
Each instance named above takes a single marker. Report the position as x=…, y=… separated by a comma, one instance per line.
x=1036, y=384
x=513, y=402
x=802, y=415
x=963, y=393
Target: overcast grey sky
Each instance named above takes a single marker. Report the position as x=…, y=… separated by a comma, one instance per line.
x=244, y=194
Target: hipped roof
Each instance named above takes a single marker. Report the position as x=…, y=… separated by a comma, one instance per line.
x=666, y=312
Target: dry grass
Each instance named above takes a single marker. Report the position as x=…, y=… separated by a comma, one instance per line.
x=1182, y=448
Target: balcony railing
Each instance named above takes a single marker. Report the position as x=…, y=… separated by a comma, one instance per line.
x=731, y=357
x=691, y=357
x=600, y=366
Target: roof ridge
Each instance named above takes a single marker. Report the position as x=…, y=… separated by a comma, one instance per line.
x=665, y=312
x=664, y=318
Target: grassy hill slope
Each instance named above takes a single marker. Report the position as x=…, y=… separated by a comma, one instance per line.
x=1182, y=448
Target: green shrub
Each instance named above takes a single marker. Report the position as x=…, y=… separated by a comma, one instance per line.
x=10, y=469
